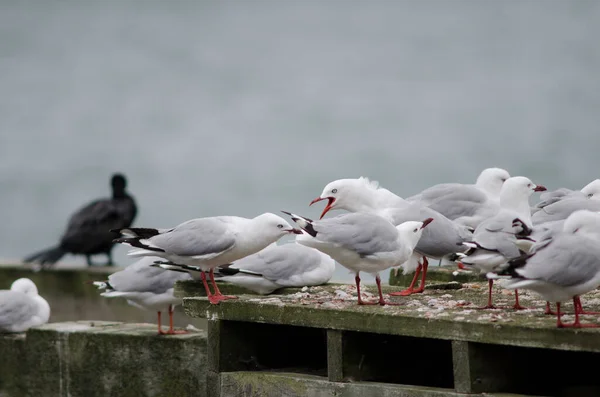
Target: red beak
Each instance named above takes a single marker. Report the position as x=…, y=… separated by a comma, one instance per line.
x=295, y=231
x=427, y=222
x=540, y=188
x=327, y=207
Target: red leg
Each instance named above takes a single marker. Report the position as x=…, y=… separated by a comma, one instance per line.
x=382, y=302
x=409, y=290
x=218, y=294
x=490, y=305
x=460, y=266
x=360, y=301
x=160, y=331
x=579, y=306
x=576, y=323
x=172, y=330
x=549, y=310
x=517, y=306
x=211, y=298
x=423, y=277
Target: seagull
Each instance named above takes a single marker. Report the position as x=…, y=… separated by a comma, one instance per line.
x=363, y=195
x=565, y=267
x=145, y=287
x=496, y=240
x=586, y=199
x=208, y=242
x=362, y=242
x=591, y=190
x=87, y=231
x=464, y=203
x=275, y=267
x=21, y=307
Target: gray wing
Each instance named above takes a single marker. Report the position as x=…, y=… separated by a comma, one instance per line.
x=15, y=308
x=281, y=262
x=197, y=237
x=363, y=233
x=498, y=234
x=441, y=237
x=554, y=196
x=141, y=277
x=453, y=200
x=563, y=208
x=568, y=260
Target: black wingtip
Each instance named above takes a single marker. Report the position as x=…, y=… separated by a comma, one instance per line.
x=287, y=213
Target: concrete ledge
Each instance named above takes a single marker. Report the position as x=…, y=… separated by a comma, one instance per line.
x=257, y=384
x=88, y=359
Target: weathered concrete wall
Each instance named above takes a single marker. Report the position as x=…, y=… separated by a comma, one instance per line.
x=71, y=298
x=102, y=359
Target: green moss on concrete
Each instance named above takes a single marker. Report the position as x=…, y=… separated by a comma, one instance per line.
x=260, y=384
x=418, y=316
x=109, y=359
x=435, y=274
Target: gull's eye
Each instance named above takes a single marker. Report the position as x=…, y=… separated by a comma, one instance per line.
x=416, y=230
x=529, y=185
x=590, y=195
x=334, y=191
x=503, y=179
x=280, y=226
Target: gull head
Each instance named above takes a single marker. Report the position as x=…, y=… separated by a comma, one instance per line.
x=346, y=194
x=410, y=232
x=592, y=189
x=520, y=186
x=25, y=286
x=275, y=226
x=583, y=222
x=492, y=179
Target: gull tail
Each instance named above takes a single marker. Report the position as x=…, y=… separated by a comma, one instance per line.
x=305, y=224
x=226, y=270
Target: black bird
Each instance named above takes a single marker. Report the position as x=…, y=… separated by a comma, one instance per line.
x=88, y=231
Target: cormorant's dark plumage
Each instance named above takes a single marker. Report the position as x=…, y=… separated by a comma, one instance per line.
x=89, y=229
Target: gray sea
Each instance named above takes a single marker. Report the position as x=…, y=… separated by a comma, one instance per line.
x=239, y=107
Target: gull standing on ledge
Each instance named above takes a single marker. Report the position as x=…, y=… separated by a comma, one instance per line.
x=495, y=240
x=362, y=195
x=145, y=287
x=208, y=242
x=565, y=267
x=362, y=242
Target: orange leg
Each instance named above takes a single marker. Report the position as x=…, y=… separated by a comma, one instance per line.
x=171, y=330
x=410, y=289
x=579, y=306
x=211, y=298
x=423, y=277
x=490, y=304
x=382, y=302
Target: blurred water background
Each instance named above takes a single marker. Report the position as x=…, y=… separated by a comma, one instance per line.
x=237, y=108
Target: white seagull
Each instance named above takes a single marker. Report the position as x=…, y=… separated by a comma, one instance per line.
x=565, y=267
x=362, y=242
x=208, y=242
x=21, y=307
x=145, y=287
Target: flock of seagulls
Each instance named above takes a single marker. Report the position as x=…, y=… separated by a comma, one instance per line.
x=551, y=248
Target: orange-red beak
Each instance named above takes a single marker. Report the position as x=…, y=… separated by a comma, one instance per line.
x=327, y=207
x=539, y=188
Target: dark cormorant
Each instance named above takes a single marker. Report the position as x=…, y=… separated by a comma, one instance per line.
x=88, y=231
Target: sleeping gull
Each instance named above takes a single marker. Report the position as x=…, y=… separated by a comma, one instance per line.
x=567, y=266
x=362, y=195
x=591, y=190
x=561, y=209
x=362, y=242
x=21, y=307
x=495, y=241
x=466, y=204
x=145, y=287
x=275, y=267
x=208, y=242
